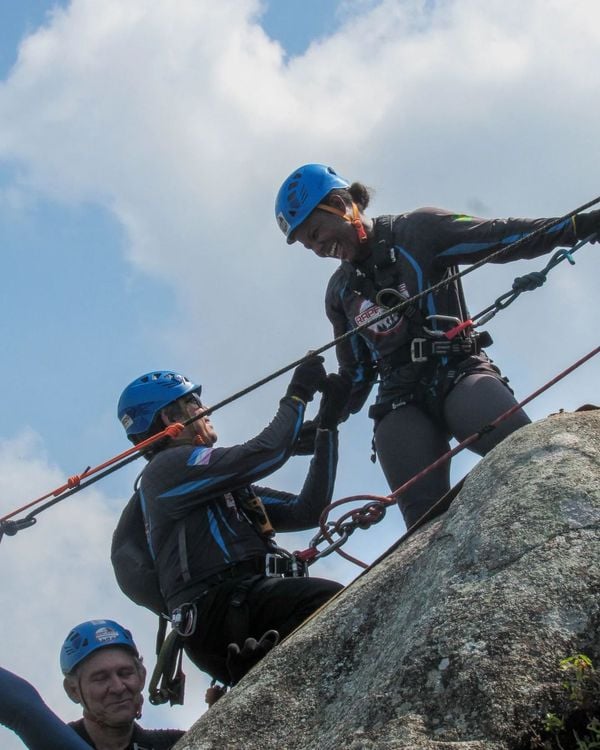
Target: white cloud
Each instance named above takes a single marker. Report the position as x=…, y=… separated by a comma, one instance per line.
x=183, y=124
x=57, y=574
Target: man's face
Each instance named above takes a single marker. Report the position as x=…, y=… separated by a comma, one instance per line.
x=110, y=683
x=202, y=428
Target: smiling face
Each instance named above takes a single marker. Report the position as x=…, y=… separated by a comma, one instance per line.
x=330, y=235
x=109, y=685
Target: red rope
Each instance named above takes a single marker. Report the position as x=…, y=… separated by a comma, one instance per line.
x=172, y=431
x=310, y=554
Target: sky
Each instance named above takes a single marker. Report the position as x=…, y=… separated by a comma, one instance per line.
x=141, y=149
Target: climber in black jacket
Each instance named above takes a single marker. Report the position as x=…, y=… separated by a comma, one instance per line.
x=424, y=398
x=222, y=577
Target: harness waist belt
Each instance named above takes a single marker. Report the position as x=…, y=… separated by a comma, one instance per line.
x=422, y=349
x=277, y=565
x=237, y=570
x=269, y=564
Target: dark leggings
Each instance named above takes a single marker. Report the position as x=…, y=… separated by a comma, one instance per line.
x=281, y=604
x=23, y=711
x=408, y=439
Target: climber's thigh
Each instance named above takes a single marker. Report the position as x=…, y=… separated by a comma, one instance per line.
x=474, y=402
x=407, y=440
x=284, y=603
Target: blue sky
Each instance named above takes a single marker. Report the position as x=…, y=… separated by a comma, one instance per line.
x=77, y=253
x=140, y=154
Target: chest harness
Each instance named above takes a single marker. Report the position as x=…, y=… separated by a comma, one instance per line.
x=378, y=279
x=276, y=563
x=437, y=343
x=167, y=682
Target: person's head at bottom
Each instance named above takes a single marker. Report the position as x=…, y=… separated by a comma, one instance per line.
x=103, y=672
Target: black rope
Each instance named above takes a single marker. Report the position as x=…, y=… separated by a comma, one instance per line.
x=501, y=250
x=11, y=527
x=528, y=282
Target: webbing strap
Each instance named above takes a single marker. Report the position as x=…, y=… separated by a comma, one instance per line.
x=167, y=683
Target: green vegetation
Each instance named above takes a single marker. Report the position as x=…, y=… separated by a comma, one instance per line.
x=577, y=726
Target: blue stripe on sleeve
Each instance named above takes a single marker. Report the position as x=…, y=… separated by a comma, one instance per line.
x=268, y=500
x=199, y=484
x=332, y=465
x=268, y=464
x=468, y=248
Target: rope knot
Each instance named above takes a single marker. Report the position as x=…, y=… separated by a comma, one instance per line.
x=529, y=282
x=174, y=430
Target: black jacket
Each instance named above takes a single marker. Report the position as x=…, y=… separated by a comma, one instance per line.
x=426, y=245
x=142, y=739
x=194, y=522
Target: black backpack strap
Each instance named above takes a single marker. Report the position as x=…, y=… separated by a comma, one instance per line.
x=380, y=272
x=237, y=616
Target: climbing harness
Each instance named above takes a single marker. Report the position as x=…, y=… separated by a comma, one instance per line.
x=459, y=341
x=76, y=483
x=374, y=510
x=137, y=576
x=450, y=340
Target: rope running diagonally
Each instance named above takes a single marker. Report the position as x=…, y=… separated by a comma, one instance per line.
x=374, y=510
x=76, y=483
x=405, y=303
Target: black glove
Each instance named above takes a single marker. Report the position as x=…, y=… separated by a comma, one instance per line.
x=336, y=394
x=241, y=660
x=586, y=224
x=305, y=442
x=308, y=378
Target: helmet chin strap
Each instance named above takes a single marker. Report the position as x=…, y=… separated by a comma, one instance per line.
x=95, y=719
x=354, y=219
x=202, y=436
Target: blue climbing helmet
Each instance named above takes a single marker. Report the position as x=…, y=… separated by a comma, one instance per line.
x=141, y=401
x=302, y=192
x=90, y=636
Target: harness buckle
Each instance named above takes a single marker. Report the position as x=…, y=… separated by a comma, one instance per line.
x=417, y=350
x=282, y=566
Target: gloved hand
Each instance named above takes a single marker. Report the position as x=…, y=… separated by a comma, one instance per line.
x=305, y=442
x=241, y=660
x=308, y=378
x=586, y=224
x=334, y=401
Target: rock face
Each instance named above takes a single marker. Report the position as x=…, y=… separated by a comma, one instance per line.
x=452, y=641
